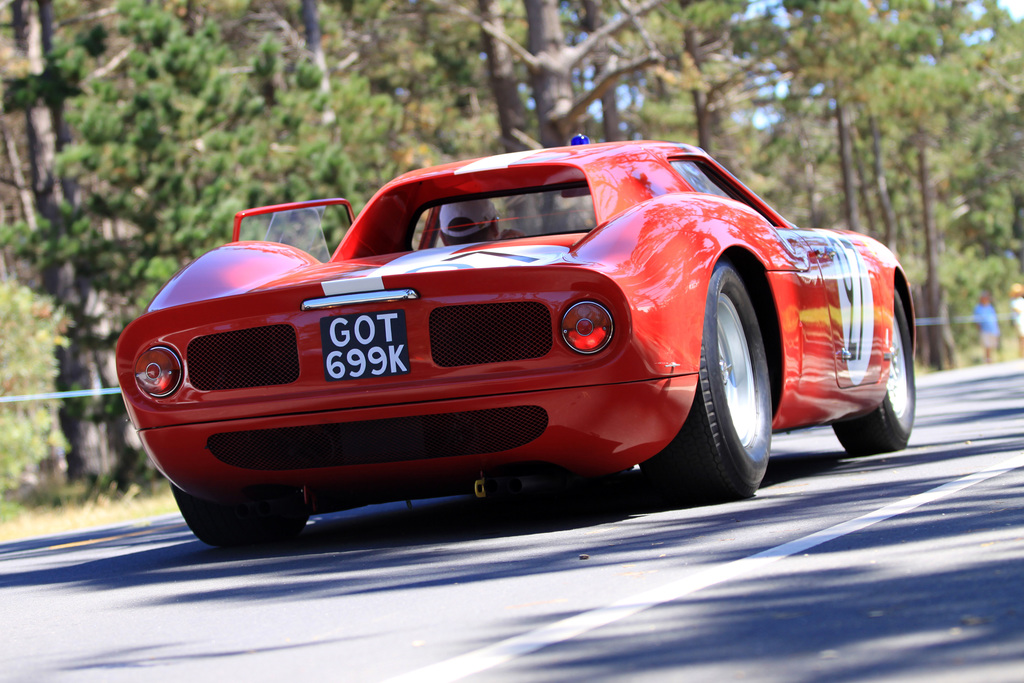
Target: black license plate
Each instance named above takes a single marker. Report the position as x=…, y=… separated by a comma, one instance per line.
x=364, y=345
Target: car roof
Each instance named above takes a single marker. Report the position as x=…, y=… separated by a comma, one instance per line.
x=618, y=174
x=581, y=156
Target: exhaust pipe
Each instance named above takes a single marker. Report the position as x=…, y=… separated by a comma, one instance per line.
x=491, y=487
x=289, y=506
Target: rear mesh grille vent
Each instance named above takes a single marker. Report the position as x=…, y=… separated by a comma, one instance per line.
x=371, y=442
x=256, y=357
x=489, y=333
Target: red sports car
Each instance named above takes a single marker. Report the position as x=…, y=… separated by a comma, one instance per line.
x=510, y=322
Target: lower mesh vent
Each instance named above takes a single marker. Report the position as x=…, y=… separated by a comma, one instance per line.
x=371, y=442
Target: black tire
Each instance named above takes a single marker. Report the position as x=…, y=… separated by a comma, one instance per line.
x=721, y=452
x=888, y=427
x=220, y=525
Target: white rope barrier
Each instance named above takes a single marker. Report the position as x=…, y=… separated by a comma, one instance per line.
x=61, y=394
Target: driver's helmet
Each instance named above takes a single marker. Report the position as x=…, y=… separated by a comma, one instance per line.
x=462, y=221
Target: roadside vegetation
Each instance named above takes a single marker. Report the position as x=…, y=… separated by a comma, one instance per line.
x=80, y=505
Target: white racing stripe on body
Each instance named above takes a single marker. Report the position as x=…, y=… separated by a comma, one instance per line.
x=448, y=258
x=353, y=285
x=500, y=653
x=497, y=161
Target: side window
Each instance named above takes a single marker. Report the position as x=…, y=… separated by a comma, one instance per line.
x=701, y=179
x=310, y=227
x=425, y=232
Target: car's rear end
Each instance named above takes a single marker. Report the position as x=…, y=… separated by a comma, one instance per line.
x=412, y=363
x=420, y=384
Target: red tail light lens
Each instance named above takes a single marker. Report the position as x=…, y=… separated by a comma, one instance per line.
x=587, y=327
x=158, y=372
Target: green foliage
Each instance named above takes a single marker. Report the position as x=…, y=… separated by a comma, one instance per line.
x=167, y=154
x=65, y=68
x=30, y=332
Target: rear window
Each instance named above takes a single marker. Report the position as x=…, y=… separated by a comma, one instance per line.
x=484, y=218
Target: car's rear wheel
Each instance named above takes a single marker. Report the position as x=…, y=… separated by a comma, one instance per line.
x=721, y=452
x=220, y=525
x=888, y=427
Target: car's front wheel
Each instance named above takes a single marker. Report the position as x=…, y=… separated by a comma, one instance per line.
x=721, y=452
x=220, y=525
x=888, y=427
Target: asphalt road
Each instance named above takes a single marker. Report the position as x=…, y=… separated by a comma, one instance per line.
x=902, y=567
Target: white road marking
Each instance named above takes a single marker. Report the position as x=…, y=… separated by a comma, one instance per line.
x=491, y=656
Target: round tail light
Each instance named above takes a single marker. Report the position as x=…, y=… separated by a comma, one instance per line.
x=587, y=327
x=158, y=372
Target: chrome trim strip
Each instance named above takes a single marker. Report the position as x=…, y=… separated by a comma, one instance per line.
x=359, y=298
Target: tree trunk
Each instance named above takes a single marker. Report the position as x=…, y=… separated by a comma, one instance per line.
x=39, y=130
x=20, y=25
x=611, y=120
x=552, y=64
x=846, y=166
x=888, y=214
x=552, y=84
x=862, y=189
x=1018, y=227
x=937, y=357
x=810, y=181
x=504, y=84
x=701, y=107
x=28, y=208
x=314, y=44
x=89, y=453
x=813, y=205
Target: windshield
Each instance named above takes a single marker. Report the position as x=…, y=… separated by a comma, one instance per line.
x=466, y=220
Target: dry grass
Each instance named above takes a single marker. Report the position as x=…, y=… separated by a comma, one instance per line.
x=94, y=511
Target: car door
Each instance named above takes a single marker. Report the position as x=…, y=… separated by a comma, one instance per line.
x=849, y=290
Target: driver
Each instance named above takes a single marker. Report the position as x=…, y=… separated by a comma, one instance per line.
x=475, y=220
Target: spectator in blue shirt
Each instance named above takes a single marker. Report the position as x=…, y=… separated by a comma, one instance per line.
x=987, y=319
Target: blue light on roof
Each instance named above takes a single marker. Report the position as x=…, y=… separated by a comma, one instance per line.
x=579, y=139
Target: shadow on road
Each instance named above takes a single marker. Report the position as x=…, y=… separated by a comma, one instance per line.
x=392, y=547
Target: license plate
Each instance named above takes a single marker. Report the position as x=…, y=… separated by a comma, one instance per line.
x=364, y=345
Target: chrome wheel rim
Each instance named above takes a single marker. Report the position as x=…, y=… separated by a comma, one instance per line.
x=737, y=372
x=896, y=385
